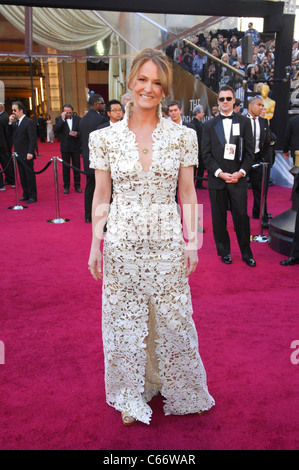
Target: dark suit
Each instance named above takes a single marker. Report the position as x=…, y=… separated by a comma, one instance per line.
x=224, y=196
x=291, y=140
x=90, y=122
x=42, y=128
x=25, y=141
x=199, y=171
x=4, y=116
x=70, y=148
x=256, y=173
x=5, y=157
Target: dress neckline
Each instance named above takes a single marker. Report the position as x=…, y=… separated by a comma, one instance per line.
x=128, y=112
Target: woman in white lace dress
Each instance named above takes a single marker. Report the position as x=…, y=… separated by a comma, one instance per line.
x=150, y=340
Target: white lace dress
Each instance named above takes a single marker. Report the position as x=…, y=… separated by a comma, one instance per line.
x=150, y=340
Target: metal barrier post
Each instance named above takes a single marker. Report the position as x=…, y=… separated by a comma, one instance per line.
x=17, y=206
x=58, y=219
x=262, y=238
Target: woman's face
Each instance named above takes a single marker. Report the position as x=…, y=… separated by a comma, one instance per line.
x=146, y=87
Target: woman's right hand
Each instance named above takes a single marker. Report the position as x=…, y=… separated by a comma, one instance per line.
x=95, y=264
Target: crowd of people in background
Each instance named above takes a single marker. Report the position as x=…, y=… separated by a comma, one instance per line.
x=227, y=46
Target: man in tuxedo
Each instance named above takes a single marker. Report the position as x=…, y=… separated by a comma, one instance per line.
x=90, y=122
x=227, y=152
x=5, y=150
x=42, y=128
x=67, y=127
x=261, y=142
x=23, y=131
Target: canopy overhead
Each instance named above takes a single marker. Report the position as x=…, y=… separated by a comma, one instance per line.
x=72, y=32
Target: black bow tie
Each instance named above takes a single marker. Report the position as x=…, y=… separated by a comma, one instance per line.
x=226, y=117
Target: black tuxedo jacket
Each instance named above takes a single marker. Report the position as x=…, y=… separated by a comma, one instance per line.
x=213, y=144
x=198, y=126
x=4, y=147
x=291, y=140
x=4, y=116
x=90, y=122
x=68, y=143
x=24, y=137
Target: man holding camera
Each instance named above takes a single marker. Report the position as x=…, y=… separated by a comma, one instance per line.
x=67, y=127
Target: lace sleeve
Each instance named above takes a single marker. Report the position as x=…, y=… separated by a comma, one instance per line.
x=98, y=154
x=189, y=153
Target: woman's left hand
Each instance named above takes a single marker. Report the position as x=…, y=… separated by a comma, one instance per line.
x=191, y=260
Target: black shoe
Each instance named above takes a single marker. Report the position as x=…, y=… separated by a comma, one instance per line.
x=23, y=198
x=290, y=261
x=226, y=259
x=250, y=262
x=66, y=190
x=78, y=190
x=31, y=200
x=266, y=225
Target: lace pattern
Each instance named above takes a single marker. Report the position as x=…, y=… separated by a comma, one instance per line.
x=150, y=340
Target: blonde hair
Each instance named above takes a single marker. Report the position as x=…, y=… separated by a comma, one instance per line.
x=161, y=61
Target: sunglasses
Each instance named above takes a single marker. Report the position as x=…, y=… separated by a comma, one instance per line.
x=226, y=98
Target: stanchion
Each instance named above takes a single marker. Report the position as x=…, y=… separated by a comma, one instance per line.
x=17, y=206
x=58, y=219
x=262, y=238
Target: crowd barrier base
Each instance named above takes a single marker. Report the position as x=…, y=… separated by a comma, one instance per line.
x=17, y=206
x=58, y=221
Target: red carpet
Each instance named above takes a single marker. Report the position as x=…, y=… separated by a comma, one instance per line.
x=52, y=385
